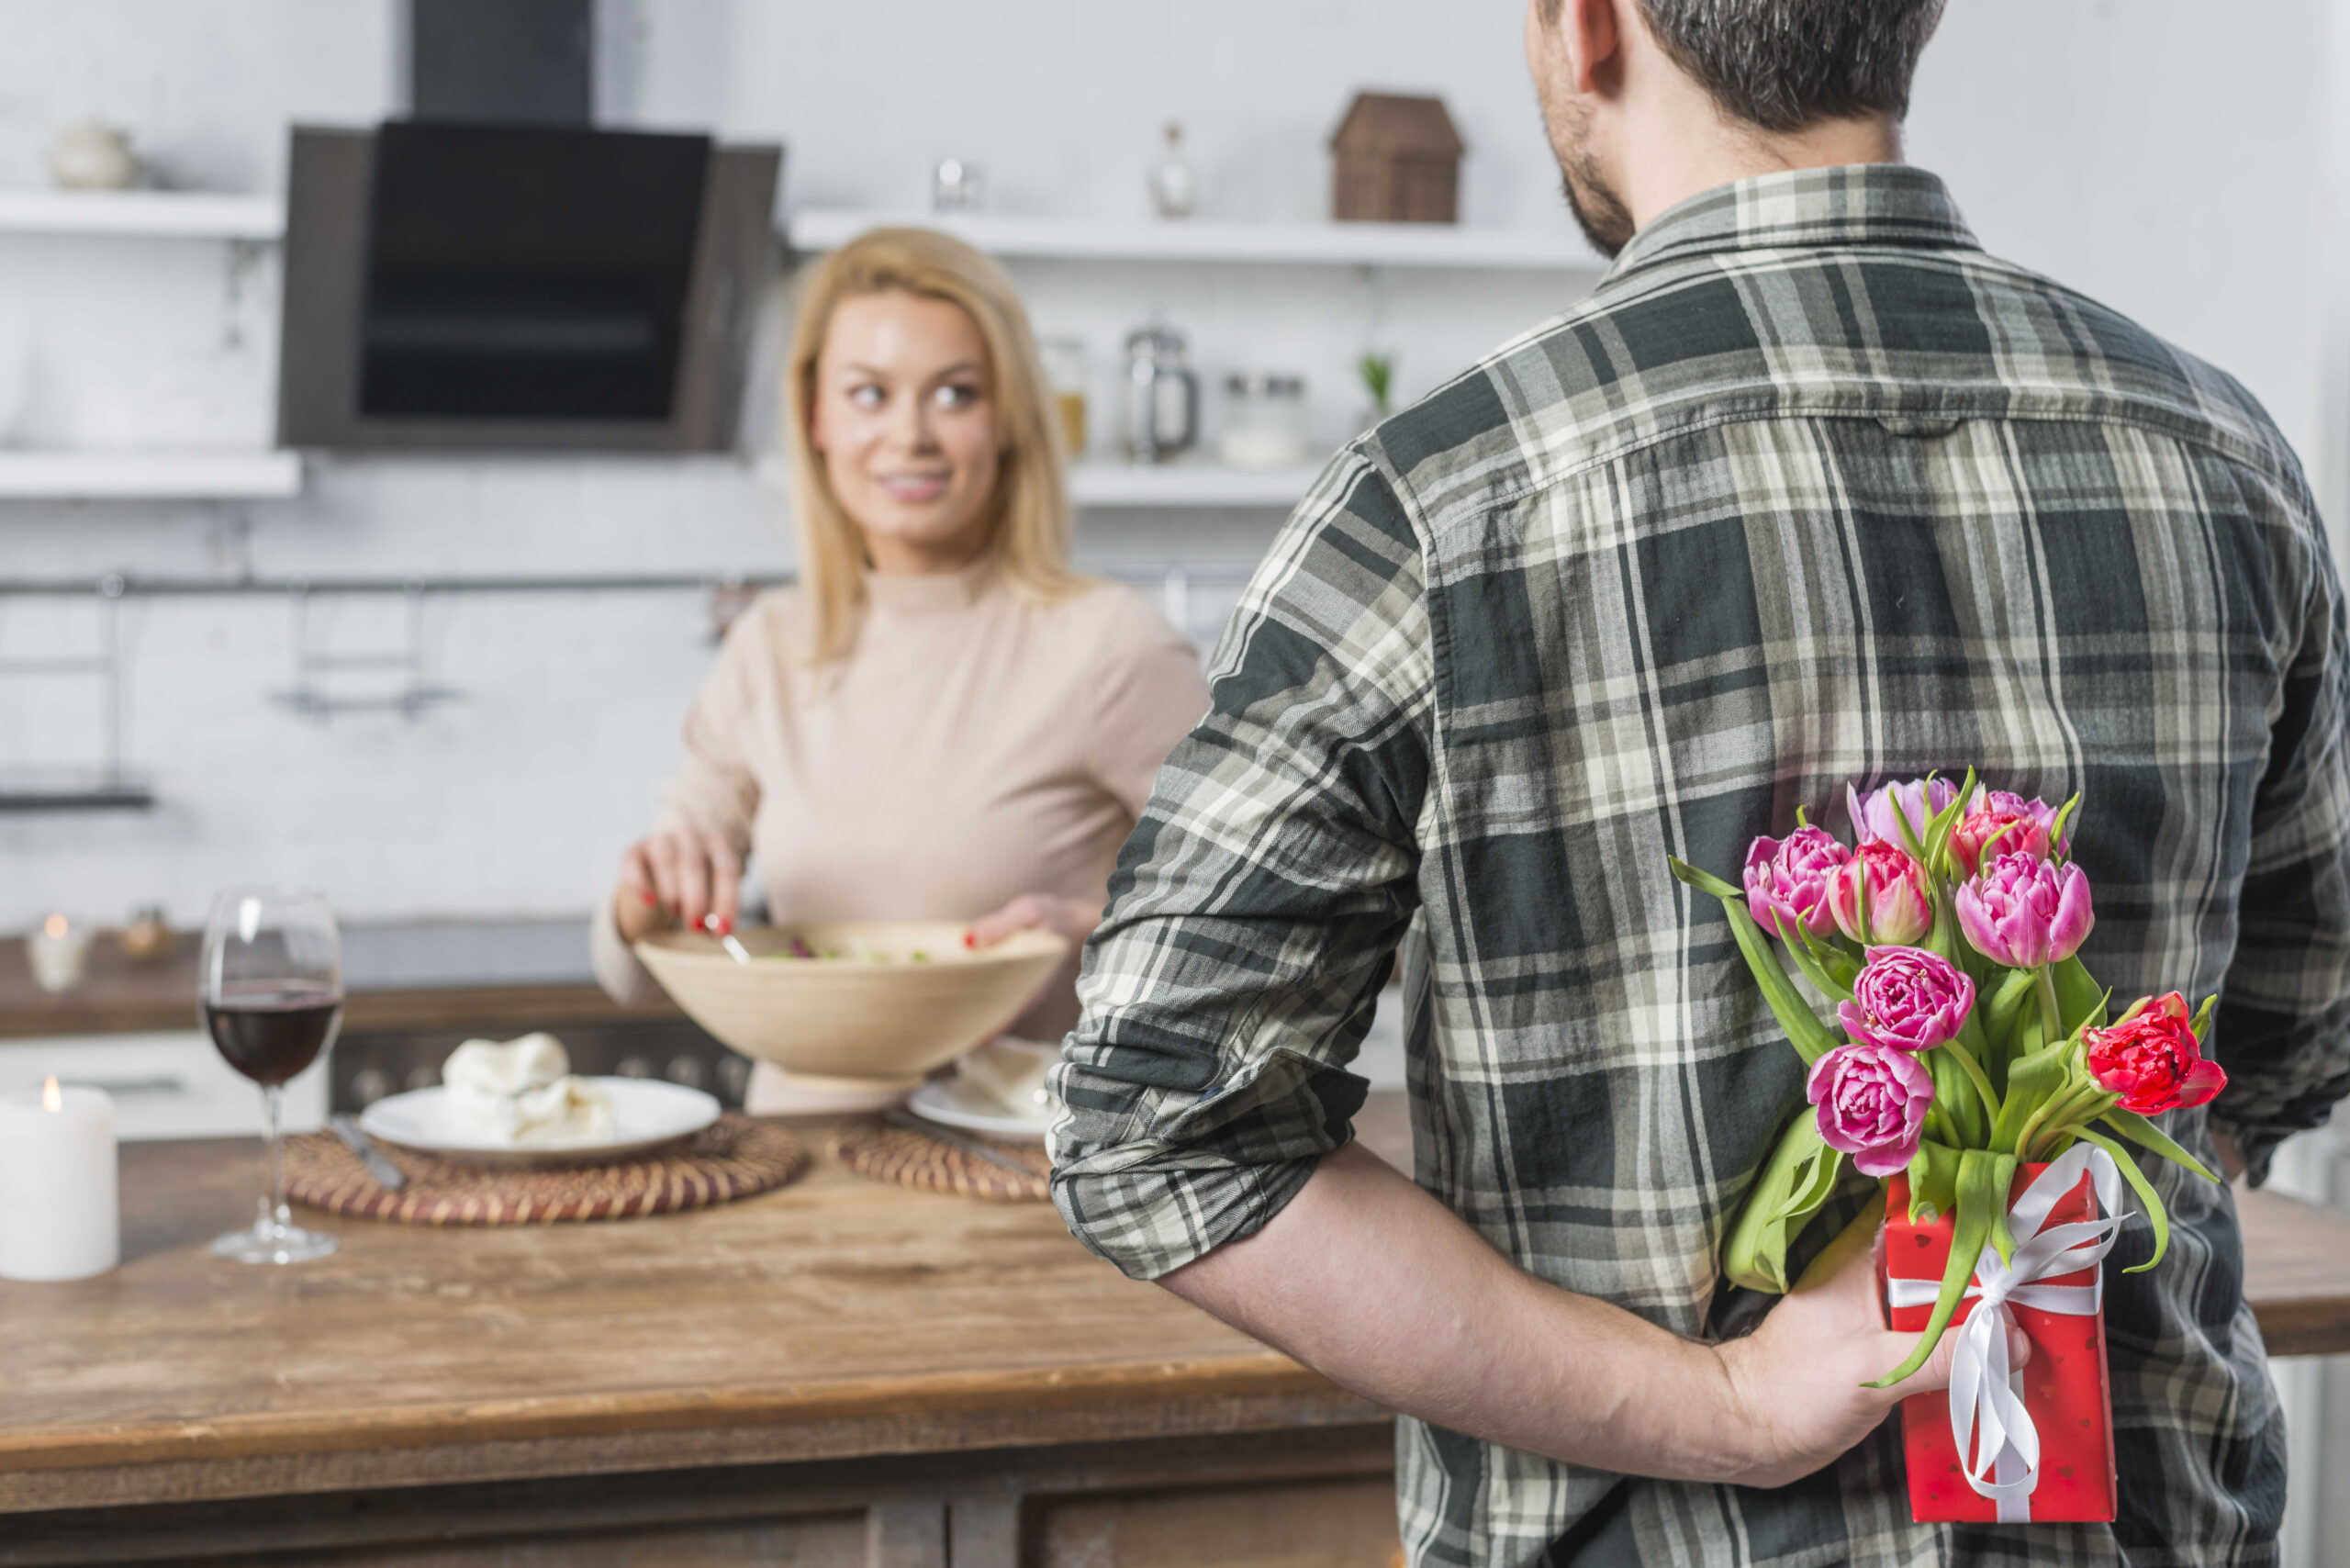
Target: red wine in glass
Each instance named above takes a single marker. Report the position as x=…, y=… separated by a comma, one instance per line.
x=270, y=1032
x=271, y=996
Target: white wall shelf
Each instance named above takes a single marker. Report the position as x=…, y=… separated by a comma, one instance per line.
x=1432, y=245
x=149, y=475
x=192, y=214
x=1187, y=484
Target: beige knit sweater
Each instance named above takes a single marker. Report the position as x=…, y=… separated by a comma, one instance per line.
x=974, y=745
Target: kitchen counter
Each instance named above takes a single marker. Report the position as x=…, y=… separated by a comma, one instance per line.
x=907, y=1377
x=427, y=975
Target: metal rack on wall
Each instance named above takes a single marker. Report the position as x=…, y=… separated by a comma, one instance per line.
x=109, y=784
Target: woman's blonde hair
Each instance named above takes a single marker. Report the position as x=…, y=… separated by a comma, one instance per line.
x=1028, y=535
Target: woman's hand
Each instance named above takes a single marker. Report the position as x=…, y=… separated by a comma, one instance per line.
x=1068, y=918
x=1795, y=1382
x=677, y=875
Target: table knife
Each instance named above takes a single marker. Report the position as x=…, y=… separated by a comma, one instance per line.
x=969, y=1146
x=389, y=1176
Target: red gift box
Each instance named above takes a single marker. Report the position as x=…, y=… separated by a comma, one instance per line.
x=2064, y=1387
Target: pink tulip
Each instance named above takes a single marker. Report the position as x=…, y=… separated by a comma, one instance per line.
x=1878, y=814
x=1872, y=1102
x=2025, y=913
x=1881, y=896
x=1787, y=882
x=1908, y=999
x=2008, y=824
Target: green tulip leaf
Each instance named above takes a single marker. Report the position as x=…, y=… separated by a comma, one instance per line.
x=1956, y=1098
x=1809, y=1036
x=1842, y=968
x=1945, y=821
x=1970, y=1230
x=2156, y=1213
x=2057, y=830
x=1797, y=1179
x=2202, y=1022
x=2010, y=1001
x=2147, y=1136
x=1933, y=1182
x=2079, y=999
x=1703, y=882
x=2032, y=1083
x=1805, y=955
x=1999, y=1182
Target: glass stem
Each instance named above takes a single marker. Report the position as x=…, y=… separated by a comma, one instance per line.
x=273, y=1209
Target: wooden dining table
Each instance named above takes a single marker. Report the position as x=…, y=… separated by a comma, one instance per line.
x=838, y=1372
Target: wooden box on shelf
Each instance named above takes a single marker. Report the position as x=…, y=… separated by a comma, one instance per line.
x=1398, y=160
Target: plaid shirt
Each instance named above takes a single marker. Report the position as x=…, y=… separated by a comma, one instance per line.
x=1809, y=491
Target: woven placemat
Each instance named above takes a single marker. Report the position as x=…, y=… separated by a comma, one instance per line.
x=733, y=1159
x=871, y=1147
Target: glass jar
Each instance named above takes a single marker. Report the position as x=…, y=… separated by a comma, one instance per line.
x=1065, y=373
x=1264, y=419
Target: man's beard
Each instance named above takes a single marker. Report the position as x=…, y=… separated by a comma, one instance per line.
x=1599, y=212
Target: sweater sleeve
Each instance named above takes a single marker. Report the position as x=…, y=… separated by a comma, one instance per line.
x=713, y=788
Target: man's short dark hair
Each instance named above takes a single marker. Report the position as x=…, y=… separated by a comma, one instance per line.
x=1782, y=65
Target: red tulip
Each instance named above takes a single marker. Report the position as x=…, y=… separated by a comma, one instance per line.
x=2151, y=1059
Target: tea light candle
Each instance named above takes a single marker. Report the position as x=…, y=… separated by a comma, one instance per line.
x=60, y=1218
x=59, y=953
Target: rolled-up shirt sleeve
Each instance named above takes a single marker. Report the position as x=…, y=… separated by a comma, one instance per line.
x=1257, y=906
x=2283, y=1029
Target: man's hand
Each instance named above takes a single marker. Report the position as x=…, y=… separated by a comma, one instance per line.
x=1371, y=1282
x=1797, y=1383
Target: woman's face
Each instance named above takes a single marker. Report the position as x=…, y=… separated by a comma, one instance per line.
x=905, y=422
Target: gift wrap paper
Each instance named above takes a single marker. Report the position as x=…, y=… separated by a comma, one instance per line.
x=2065, y=1390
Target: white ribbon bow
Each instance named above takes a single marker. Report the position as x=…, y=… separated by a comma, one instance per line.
x=1986, y=1394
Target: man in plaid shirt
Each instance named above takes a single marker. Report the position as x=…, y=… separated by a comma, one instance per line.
x=1810, y=491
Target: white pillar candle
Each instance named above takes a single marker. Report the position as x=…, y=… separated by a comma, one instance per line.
x=59, y=953
x=59, y=1214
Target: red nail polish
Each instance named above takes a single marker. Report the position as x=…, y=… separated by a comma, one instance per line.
x=971, y=940
x=649, y=898
x=726, y=928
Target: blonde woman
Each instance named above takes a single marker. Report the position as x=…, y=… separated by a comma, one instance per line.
x=941, y=720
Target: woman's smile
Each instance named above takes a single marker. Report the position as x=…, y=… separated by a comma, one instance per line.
x=916, y=487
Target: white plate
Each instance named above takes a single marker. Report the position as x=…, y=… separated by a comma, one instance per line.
x=941, y=1101
x=646, y=1113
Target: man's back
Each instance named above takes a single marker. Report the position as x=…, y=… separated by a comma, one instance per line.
x=1810, y=491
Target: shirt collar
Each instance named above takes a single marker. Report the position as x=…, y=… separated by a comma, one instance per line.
x=1852, y=204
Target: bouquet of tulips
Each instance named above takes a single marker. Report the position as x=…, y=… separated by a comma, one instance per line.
x=1969, y=1042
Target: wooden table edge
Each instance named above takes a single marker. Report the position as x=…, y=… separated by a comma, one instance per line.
x=1202, y=1382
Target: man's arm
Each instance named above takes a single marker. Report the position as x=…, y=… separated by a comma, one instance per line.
x=1253, y=916
x=1376, y=1285
x=2283, y=1030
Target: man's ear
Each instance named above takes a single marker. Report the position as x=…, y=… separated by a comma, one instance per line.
x=1591, y=32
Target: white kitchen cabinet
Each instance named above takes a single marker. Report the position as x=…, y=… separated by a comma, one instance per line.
x=172, y=1084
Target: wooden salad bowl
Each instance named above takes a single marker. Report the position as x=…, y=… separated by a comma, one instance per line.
x=883, y=1002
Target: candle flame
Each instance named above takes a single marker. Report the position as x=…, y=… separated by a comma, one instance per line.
x=51, y=1099
x=56, y=925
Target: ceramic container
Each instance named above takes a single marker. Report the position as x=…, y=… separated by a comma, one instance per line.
x=93, y=156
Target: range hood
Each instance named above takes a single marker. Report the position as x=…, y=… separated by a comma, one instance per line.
x=495, y=273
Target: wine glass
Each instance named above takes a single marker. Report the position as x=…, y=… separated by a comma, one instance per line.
x=271, y=995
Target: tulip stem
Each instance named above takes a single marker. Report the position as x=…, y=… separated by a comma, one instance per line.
x=1965, y=1058
x=2066, y=1113
x=2051, y=1023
